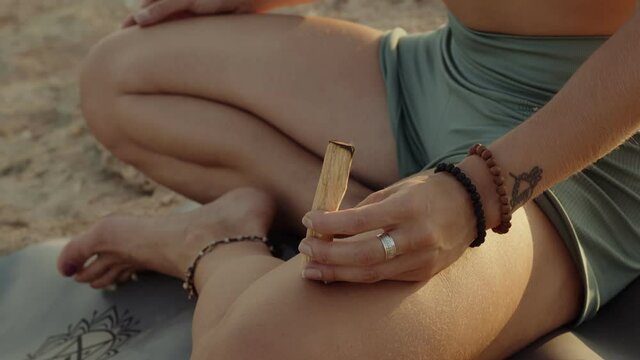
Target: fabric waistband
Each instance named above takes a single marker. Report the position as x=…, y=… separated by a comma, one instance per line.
x=539, y=65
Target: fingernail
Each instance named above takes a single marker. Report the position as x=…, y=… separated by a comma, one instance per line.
x=69, y=269
x=142, y=16
x=312, y=274
x=307, y=222
x=305, y=249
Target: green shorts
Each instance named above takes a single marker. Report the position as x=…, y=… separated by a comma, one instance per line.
x=455, y=86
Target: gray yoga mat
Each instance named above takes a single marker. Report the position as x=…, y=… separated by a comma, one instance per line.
x=44, y=316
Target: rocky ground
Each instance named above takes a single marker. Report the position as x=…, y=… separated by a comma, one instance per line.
x=54, y=178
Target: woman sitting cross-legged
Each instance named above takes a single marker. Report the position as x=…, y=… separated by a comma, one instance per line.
x=235, y=110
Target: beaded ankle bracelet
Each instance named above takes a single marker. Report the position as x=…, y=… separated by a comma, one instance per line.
x=188, y=283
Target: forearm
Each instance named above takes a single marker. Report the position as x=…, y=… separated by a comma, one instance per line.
x=597, y=110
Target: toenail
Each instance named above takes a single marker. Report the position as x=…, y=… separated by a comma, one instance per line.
x=69, y=269
x=90, y=260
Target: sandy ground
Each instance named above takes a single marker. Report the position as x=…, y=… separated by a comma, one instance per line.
x=55, y=179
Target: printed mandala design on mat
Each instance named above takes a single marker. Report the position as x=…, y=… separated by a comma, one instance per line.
x=99, y=338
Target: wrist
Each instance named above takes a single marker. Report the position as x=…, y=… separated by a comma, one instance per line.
x=476, y=170
x=477, y=215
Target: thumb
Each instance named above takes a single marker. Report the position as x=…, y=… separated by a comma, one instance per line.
x=160, y=10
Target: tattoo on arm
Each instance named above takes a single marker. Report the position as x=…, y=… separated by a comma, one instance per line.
x=524, y=185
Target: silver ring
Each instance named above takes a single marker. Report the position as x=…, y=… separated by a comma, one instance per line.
x=389, y=245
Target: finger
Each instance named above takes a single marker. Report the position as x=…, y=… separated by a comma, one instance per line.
x=96, y=269
x=368, y=274
x=109, y=277
x=353, y=221
x=360, y=250
x=160, y=10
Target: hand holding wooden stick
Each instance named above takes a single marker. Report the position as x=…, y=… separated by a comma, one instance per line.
x=333, y=181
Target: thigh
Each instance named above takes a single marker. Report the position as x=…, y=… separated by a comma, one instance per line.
x=488, y=304
x=313, y=79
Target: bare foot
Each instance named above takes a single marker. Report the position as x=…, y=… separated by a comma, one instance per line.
x=164, y=244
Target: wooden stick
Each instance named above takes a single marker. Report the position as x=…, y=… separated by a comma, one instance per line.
x=333, y=181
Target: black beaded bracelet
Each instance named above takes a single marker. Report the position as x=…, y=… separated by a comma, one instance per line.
x=475, y=199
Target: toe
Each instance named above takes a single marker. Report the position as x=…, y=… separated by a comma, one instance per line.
x=125, y=275
x=96, y=269
x=109, y=277
x=79, y=250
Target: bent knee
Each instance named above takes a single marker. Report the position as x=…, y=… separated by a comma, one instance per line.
x=285, y=317
x=269, y=327
x=282, y=316
x=274, y=330
x=259, y=334
x=114, y=62
x=102, y=82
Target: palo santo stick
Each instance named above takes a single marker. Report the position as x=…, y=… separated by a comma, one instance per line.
x=333, y=181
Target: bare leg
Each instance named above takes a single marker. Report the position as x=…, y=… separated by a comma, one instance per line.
x=486, y=304
x=188, y=104
x=493, y=301
x=510, y=280
x=202, y=132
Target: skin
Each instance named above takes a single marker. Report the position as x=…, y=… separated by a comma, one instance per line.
x=545, y=17
x=226, y=120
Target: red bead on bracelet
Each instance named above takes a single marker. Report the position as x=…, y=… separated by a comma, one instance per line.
x=496, y=171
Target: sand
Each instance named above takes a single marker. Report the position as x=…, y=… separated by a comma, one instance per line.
x=55, y=180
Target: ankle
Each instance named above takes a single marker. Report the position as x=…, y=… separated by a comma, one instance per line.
x=196, y=239
x=209, y=259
